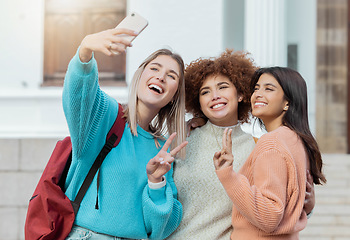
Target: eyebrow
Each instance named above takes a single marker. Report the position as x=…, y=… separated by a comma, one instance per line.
x=203, y=88
x=219, y=84
x=223, y=83
x=160, y=65
x=266, y=84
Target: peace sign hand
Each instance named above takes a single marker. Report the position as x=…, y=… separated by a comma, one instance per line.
x=161, y=163
x=224, y=158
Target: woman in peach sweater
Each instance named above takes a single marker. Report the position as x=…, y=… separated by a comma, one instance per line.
x=268, y=192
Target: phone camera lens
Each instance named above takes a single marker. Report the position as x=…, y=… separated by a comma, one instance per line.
x=133, y=14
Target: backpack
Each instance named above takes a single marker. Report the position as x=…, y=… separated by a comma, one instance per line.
x=50, y=213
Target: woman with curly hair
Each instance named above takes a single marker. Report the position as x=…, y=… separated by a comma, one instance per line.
x=217, y=89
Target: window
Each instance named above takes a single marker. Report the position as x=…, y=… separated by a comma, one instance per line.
x=67, y=22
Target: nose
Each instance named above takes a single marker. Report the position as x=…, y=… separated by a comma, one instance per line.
x=215, y=95
x=257, y=93
x=161, y=77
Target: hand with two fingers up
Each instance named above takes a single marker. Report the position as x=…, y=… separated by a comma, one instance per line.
x=224, y=158
x=161, y=163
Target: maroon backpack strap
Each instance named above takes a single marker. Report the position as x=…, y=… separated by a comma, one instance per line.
x=113, y=138
x=118, y=126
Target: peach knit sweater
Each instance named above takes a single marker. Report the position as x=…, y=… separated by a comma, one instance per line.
x=268, y=192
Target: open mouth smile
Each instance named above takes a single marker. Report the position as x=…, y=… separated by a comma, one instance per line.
x=259, y=104
x=216, y=106
x=156, y=88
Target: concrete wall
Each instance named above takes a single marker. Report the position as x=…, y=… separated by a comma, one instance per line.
x=21, y=164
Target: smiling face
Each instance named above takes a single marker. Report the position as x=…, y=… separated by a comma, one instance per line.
x=268, y=102
x=219, y=100
x=158, y=84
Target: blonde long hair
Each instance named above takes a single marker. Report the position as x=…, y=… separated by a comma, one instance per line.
x=170, y=118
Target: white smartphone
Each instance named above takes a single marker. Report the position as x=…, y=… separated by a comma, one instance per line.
x=135, y=22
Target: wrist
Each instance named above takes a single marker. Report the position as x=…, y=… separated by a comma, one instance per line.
x=157, y=185
x=155, y=180
x=85, y=54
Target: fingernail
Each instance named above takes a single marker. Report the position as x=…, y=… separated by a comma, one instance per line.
x=136, y=32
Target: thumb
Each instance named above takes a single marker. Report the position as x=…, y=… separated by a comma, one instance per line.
x=217, y=154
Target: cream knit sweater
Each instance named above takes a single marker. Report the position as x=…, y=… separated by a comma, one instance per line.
x=207, y=209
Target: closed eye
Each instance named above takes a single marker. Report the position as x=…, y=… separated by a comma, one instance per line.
x=204, y=92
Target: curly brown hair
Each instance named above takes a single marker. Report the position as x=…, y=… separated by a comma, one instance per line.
x=236, y=65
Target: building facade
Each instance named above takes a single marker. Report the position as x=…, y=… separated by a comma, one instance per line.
x=309, y=36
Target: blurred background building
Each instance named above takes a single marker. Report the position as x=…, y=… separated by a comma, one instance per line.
x=39, y=37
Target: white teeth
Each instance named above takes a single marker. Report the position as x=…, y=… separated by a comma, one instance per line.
x=218, y=105
x=156, y=87
x=260, y=104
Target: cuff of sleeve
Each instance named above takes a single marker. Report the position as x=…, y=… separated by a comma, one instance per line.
x=310, y=214
x=86, y=67
x=226, y=176
x=157, y=185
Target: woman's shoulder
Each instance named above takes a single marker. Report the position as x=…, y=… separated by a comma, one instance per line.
x=280, y=133
x=282, y=140
x=199, y=132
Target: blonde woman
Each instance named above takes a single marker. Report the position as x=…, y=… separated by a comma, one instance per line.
x=136, y=197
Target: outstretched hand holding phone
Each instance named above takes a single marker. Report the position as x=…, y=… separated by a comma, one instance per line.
x=113, y=41
x=104, y=42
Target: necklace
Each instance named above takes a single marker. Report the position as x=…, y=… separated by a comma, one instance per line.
x=215, y=136
x=212, y=128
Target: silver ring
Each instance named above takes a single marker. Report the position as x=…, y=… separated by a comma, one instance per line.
x=110, y=45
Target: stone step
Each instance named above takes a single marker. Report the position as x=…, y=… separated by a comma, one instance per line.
x=328, y=219
x=331, y=215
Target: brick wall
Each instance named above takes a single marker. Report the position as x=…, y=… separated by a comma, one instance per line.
x=21, y=165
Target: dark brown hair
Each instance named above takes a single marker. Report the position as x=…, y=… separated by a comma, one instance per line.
x=296, y=117
x=237, y=66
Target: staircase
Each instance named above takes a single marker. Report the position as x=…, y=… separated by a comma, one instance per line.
x=331, y=215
